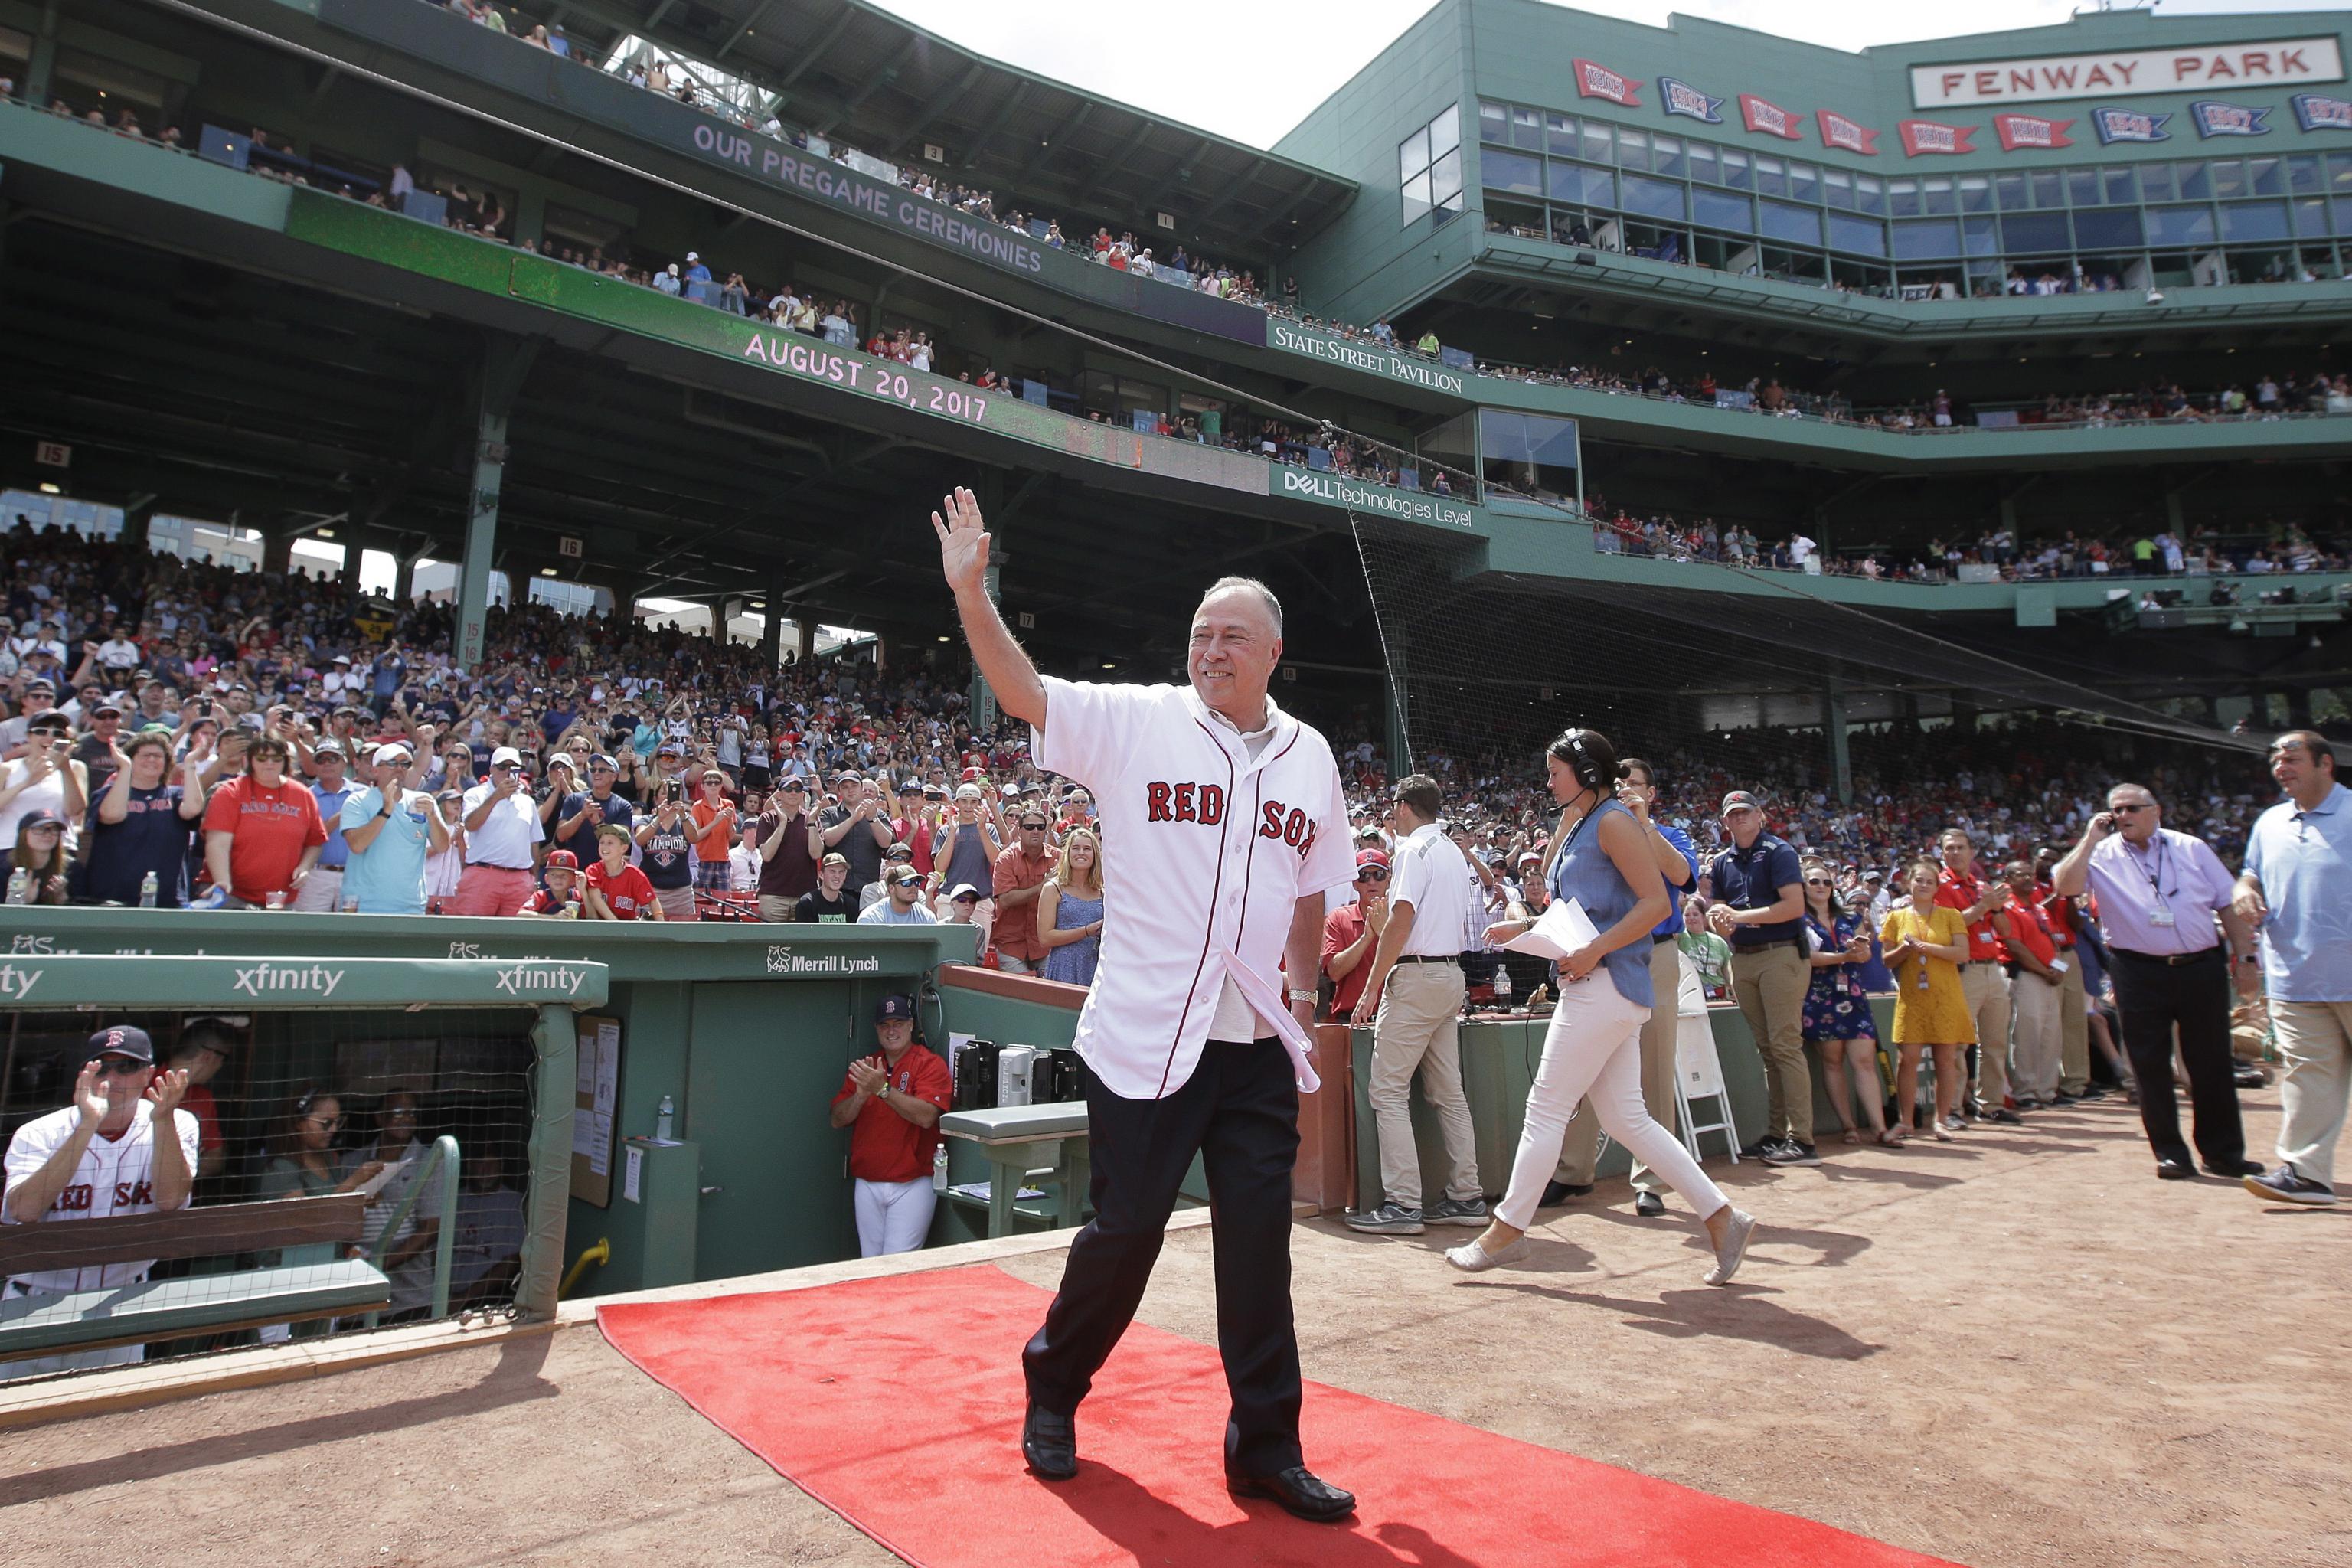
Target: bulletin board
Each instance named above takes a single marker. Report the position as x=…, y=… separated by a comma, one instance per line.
x=595, y=1105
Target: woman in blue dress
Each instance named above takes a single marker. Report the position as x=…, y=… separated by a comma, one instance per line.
x=1837, y=1020
x=1070, y=911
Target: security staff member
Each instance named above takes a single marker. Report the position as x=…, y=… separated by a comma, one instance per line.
x=1231, y=826
x=1677, y=859
x=2159, y=892
x=1760, y=909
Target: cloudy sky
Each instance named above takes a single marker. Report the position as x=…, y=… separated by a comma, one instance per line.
x=1250, y=70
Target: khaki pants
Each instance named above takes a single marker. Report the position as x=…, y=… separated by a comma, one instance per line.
x=1986, y=989
x=1582, y=1148
x=1417, y=1031
x=777, y=910
x=322, y=892
x=2315, y=1038
x=1769, y=987
x=2074, y=1027
x=2033, y=1013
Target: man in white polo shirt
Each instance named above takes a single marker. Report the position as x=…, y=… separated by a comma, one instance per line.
x=501, y=825
x=1231, y=826
x=1412, y=997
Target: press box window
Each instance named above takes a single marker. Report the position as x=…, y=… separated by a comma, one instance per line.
x=1429, y=166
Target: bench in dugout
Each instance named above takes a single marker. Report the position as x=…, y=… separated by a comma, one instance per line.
x=151, y=1310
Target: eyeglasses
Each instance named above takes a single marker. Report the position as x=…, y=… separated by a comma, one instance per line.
x=122, y=1067
x=328, y=1123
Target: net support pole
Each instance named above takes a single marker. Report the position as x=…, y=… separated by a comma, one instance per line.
x=552, y=1095
x=1841, y=754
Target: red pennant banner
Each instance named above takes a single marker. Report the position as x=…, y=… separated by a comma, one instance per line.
x=1770, y=118
x=1837, y=130
x=1596, y=80
x=2027, y=132
x=1925, y=138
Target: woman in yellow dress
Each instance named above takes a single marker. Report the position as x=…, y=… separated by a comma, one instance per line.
x=1925, y=947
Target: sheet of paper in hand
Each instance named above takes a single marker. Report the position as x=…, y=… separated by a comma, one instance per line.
x=1562, y=929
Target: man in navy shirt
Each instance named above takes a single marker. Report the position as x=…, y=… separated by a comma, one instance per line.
x=1677, y=858
x=1760, y=909
x=585, y=811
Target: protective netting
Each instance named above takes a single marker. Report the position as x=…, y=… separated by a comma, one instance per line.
x=1730, y=678
x=336, y=1153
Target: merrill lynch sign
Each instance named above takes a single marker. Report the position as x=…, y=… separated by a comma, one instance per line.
x=1379, y=362
x=1413, y=506
x=2196, y=68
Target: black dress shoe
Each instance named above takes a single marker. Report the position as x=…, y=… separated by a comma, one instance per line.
x=1298, y=1490
x=1557, y=1193
x=1050, y=1443
x=2174, y=1171
x=1649, y=1206
x=2241, y=1166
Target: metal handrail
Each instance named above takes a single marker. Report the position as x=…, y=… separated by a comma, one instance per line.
x=443, y=1153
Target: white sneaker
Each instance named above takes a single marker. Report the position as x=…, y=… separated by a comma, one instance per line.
x=1733, y=1247
x=1473, y=1258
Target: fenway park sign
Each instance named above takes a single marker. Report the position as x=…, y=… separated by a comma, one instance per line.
x=2195, y=68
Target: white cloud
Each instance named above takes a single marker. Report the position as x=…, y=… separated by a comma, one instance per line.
x=1251, y=71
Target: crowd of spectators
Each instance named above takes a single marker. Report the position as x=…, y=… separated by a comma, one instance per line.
x=1997, y=554
x=246, y=738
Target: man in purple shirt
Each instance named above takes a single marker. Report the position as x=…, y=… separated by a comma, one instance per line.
x=2159, y=894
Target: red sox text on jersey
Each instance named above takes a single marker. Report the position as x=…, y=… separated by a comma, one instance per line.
x=1205, y=804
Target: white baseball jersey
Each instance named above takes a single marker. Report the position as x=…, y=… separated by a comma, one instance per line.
x=115, y=1177
x=1208, y=849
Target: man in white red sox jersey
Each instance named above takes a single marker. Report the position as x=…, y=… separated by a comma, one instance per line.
x=101, y=1156
x=1230, y=825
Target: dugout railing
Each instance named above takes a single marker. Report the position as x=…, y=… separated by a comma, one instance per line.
x=488, y=1045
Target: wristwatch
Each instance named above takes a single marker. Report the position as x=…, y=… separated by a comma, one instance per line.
x=1300, y=995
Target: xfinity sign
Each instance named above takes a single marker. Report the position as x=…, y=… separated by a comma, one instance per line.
x=2195, y=67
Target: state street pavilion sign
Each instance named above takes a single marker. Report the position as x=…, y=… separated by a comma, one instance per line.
x=1364, y=356
x=2191, y=68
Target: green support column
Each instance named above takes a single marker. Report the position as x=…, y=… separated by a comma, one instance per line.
x=136, y=515
x=504, y=363
x=1840, y=757
x=43, y=60
x=2172, y=519
x=1396, y=734
x=772, y=636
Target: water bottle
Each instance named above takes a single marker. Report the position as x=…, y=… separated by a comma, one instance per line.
x=664, y=1116
x=939, y=1169
x=148, y=888
x=1502, y=984
x=20, y=886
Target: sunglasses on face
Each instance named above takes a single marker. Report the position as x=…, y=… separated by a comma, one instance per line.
x=120, y=1066
x=2125, y=810
x=327, y=1123
x=1817, y=881
x=1371, y=876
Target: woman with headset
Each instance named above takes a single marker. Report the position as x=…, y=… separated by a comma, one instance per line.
x=1598, y=857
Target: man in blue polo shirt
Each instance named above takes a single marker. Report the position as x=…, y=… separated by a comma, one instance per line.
x=2294, y=891
x=1760, y=909
x=322, y=891
x=1677, y=858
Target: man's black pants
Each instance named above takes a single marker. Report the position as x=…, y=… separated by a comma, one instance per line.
x=2153, y=995
x=1240, y=1111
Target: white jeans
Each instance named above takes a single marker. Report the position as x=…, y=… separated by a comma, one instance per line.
x=2315, y=1038
x=322, y=892
x=893, y=1216
x=1593, y=1050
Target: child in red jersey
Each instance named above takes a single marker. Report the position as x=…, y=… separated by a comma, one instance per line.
x=616, y=889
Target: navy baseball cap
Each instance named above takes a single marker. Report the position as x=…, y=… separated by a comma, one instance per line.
x=895, y=1007
x=123, y=1040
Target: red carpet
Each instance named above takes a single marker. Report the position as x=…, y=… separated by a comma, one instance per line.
x=897, y=1403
